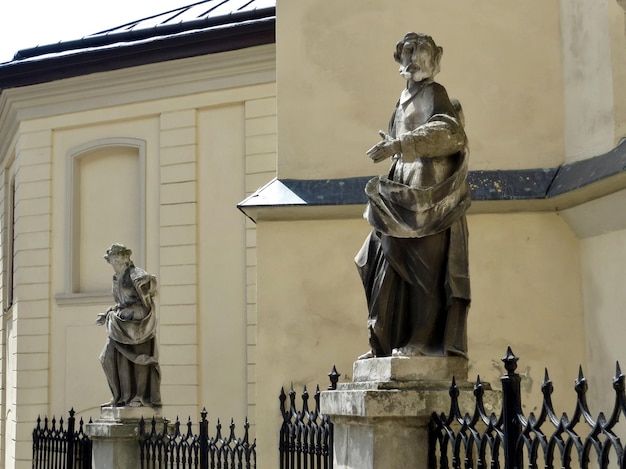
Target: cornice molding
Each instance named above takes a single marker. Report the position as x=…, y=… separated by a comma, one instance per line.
x=493, y=191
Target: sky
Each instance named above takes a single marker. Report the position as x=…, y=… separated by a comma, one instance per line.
x=28, y=23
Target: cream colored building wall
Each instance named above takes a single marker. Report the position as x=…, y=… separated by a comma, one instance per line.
x=601, y=227
x=338, y=82
x=617, y=16
x=27, y=364
x=588, y=78
x=208, y=137
x=604, y=261
x=261, y=158
x=526, y=293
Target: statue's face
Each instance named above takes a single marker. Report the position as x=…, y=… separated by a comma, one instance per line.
x=417, y=60
x=116, y=258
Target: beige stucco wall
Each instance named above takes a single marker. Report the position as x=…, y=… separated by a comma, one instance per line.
x=338, y=82
x=617, y=16
x=207, y=138
x=526, y=292
x=587, y=78
x=603, y=262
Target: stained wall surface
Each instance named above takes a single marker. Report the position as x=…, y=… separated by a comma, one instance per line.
x=526, y=293
x=338, y=82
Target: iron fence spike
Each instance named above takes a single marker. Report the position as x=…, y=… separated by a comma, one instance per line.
x=510, y=360
x=334, y=378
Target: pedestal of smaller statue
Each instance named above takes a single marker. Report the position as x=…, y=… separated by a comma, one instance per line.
x=115, y=436
x=381, y=418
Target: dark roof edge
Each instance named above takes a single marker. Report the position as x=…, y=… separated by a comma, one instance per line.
x=554, y=188
x=192, y=44
x=99, y=40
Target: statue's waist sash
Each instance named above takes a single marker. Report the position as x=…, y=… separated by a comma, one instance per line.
x=402, y=211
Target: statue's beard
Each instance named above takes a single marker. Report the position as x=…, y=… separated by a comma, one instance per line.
x=414, y=72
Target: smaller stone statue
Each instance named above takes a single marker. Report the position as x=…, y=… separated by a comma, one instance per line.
x=129, y=357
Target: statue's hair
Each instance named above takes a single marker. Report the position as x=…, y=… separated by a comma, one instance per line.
x=419, y=37
x=119, y=249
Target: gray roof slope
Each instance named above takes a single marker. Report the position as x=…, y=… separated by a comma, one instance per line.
x=204, y=27
x=195, y=11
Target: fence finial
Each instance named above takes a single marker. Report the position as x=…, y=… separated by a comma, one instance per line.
x=510, y=360
x=334, y=377
x=618, y=380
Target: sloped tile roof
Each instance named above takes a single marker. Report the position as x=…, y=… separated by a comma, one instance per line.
x=201, y=28
x=193, y=12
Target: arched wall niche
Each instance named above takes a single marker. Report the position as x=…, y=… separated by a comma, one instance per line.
x=106, y=202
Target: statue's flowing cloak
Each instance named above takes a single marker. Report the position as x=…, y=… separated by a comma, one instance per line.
x=134, y=292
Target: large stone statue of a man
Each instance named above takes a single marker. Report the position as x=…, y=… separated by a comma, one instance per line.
x=414, y=264
x=130, y=358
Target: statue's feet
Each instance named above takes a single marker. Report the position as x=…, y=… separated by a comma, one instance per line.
x=407, y=351
x=456, y=352
x=368, y=354
x=135, y=402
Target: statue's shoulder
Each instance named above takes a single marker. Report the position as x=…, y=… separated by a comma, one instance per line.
x=436, y=89
x=138, y=275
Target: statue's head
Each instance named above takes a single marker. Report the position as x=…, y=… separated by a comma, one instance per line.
x=418, y=56
x=117, y=251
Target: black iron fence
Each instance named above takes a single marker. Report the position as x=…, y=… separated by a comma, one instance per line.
x=61, y=448
x=174, y=447
x=480, y=440
x=306, y=436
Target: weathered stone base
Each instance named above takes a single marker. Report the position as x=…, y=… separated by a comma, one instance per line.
x=407, y=369
x=115, y=436
x=381, y=418
x=385, y=443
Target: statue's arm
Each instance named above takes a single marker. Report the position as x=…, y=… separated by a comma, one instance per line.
x=442, y=135
x=102, y=317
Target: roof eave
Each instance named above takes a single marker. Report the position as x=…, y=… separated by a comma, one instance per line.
x=192, y=44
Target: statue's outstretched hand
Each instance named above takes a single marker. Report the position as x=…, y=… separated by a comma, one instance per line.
x=102, y=317
x=384, y=149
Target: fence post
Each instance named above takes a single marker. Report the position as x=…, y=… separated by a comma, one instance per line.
x=204, y=440
x=511, y=407
x=69, y=462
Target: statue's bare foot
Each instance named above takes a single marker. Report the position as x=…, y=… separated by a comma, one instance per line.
x=136, y=402
x=110, y=403
x=455, y=352
x=368, y=354
x=407, y=351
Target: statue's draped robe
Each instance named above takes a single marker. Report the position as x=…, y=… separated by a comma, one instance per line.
x=414, y=264
x=130, y=356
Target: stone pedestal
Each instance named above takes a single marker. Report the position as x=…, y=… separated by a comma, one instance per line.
x=381, y=418
x=115, y=436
